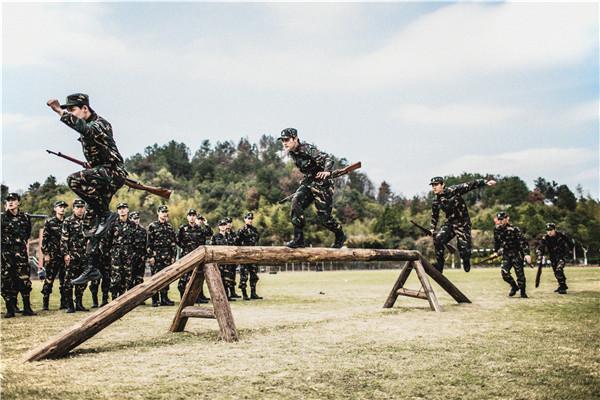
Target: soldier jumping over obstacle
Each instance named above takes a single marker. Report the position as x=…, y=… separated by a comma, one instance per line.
x=97, y=184
x=557, y=246
x=457, y=222
x=316, y=186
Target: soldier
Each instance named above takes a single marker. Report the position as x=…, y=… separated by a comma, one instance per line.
x=316, y=186
x=15, y=271
x=53, y=259
x=557, y=246
x=162, y=249
x=120, y=242
x=222, y=238
x=230, y=269
x=189, y=237
x=511, y=244
x=73, y=244
x=248, y=236
x=138, y=263
x=105, y=175
x=457, y=222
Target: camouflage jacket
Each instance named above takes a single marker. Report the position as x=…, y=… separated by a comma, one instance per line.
x=16, y=230
x=557, y=246
x=189, y=237
x=96, y=137
x=509, y=240
x=121, y=237
x=161, y=239
x=140, y=238
x=51, y=237
x=219, y=239
x=247, y=236
x=311, y=160
x=453, y=205
x=72, y=240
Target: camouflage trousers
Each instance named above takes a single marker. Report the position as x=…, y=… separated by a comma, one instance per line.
x=248, y=270
x=120, y=277
x=515, y=261
x=161, y=261
x=72, y=271
x=54, y=268
x=558, y=267
x=96, y=186
x=322, y=196
x=138, y=269
x=463, y=240
x=228, y=274
x=104, y=282
x=14, y=271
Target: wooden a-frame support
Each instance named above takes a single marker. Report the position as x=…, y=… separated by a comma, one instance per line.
x=423, y=268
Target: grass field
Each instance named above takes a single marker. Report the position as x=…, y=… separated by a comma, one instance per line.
x=325, y=336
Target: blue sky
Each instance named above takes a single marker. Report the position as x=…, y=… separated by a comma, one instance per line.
x=412, y=90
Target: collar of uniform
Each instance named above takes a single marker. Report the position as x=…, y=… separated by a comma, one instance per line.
x=92, y=117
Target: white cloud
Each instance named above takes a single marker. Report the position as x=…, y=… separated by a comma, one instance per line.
x=584, y=112
x=454, y=114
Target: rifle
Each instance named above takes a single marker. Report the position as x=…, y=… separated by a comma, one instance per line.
x=538, y=275
x=164, y=193
x=426, y=231
x=335, y=174
x=493, y=256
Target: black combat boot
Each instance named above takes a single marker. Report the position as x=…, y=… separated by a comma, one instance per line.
x=340, y=238
x=513, y=290
x=27, y=306
x=90, y=273
x=228, y=293
x=164, y=299
x=245, y=294
x=63, y=301
x=253, y=294
x=298, y=240
x=79, y=304
x=104, y=299
x=233, y=293
x=10, y=308
x=16, y=305
x=155, y=302
x=467, y=265
x=524, y=294
x=95, y=300
x=201, y=299
x=46, y=302
x=562, y=289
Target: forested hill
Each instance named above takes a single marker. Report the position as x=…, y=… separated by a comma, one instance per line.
x=228, y=179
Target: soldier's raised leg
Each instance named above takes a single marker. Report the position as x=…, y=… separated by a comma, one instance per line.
x=463, y=240
x=444, y=235
x=323, y=196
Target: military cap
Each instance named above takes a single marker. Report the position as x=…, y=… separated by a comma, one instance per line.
x=435, y=180
x=122, y=205
x=76, y=100
x=78, y=203
x=288, y=133
x=222, y=222
x=60, y=203
x=13, y=196
x=134, y=215
x=502, y=215
x=550, y=226
x=192, y=211
x=249, y=215
x=228, y=220
x=201, y=217
x=163, y=208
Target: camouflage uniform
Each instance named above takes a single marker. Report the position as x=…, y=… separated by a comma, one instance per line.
x=189, y=238
x=120, y=241
x=15, y=270
x=510, y=242
x=55, y=267
x=220, y=239
x=73, y=243
x=248, y=236
x=457, y=222
x=103, y=283
x=162, y=246
x=557, y=247
x=138, y=263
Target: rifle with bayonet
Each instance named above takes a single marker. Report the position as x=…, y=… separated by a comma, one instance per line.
x=427, y=232
x=335, y=174
x=164, y=193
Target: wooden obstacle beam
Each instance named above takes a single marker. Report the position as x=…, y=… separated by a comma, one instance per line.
x=64, y=342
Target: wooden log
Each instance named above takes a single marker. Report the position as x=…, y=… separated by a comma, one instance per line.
x=444, y=282
x=429, y=293
x=198, y=312
x=281, y=255
x=192, y=290
x=411, y=293
x=221, y=305
x=404, y=273
x=95, y=322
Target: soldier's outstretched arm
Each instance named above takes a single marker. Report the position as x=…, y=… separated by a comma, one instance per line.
x=466, y=187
